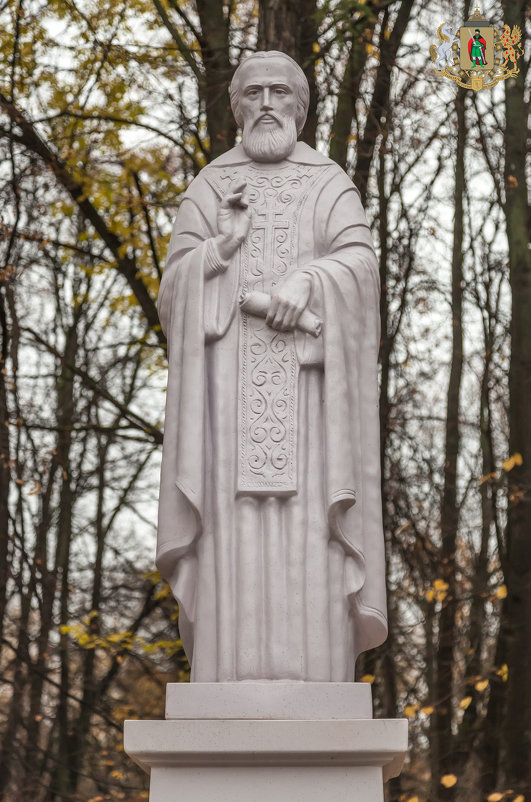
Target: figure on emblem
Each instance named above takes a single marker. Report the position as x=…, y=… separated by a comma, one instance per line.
x=476, y=49
x=270, y=530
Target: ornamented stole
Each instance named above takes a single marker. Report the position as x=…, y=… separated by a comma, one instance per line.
x=268, y=366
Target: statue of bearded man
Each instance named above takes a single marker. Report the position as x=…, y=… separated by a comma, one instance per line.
x=270, y=531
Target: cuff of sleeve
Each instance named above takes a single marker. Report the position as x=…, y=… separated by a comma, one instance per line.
x=215, y=265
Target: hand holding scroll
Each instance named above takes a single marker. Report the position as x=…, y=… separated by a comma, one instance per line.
x=259, y=303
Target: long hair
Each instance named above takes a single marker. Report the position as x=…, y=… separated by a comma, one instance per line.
x=302, y=90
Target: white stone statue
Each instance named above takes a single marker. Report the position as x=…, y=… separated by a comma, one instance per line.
x=270, y=530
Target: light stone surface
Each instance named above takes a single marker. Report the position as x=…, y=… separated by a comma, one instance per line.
x=289, y=761
x=270, y=530
x=263, y=784
x=269, y=700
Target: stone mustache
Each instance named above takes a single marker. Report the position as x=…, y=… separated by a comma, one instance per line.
x=270, y=531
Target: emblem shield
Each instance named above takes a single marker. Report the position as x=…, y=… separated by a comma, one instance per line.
x=476, y=46
x=480, y=55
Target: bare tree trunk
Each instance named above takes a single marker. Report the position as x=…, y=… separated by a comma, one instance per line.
x=492, y=736
x=517, y=731
x=89, y=694
x=18, y=640
x=5, y=344
x=10, y=744
x=62, y=784
x=470, y=737
x=443, y=715
x=48, y=578
x=387, y=340
x=346, y=101
x=290, y=26
x=379, y=105
x=4, y=461
x=217, y=75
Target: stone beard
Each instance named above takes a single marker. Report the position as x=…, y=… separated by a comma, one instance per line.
x=270, y=510
x=274, y=145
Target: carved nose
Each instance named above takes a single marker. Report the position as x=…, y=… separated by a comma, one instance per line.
x=266, y=104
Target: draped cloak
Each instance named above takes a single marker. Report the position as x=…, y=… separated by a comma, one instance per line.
x=282, y=579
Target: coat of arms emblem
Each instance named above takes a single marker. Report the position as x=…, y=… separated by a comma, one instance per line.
x=477, y=55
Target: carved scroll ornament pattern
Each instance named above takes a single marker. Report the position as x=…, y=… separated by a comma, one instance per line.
x=268, y=406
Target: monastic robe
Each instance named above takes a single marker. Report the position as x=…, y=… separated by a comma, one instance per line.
x=270, y=530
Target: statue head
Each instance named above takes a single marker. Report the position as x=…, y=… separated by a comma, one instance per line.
x=269, y=96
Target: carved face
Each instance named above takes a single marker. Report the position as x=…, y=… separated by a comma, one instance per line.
x=267, y=96
x=268, y=105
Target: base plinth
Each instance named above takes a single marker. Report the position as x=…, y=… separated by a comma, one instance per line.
x=292, y=759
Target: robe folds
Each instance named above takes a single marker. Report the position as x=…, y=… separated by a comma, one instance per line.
x=270, y=526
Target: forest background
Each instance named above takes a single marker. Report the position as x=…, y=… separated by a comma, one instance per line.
x=109, y=109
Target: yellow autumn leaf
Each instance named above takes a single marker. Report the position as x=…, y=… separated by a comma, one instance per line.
x=427, y=710
x=153, y=576
x=410, y=710
x=501, y=592
x=439, y=591
x=315, y=47
x=117, y=637
x=503, y=672
x=430, y=595
x=481, y=685
x=495, y=797
x=519, y=798
x=510, y=462
x=487, y=477
x=448, y=780
x=368, y=678
x=163, y=593
x=117, y=775
x=465, y=702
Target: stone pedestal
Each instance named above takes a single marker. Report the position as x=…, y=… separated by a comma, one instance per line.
x=286, y=742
